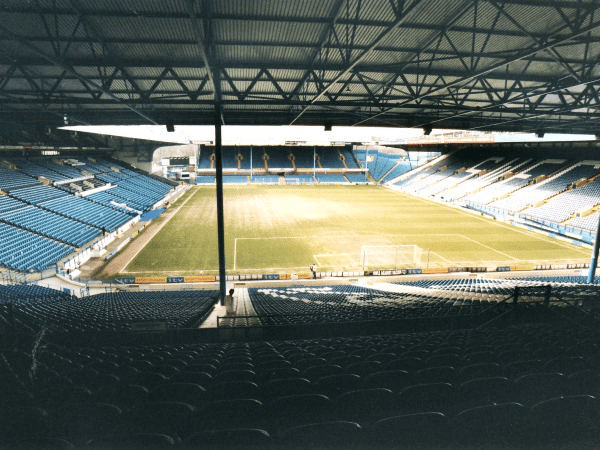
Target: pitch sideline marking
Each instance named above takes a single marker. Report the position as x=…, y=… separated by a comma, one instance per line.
x=157, y=231
x=487, y=246
x=234, y=252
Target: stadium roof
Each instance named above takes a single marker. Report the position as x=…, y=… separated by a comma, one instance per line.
x=510, y=65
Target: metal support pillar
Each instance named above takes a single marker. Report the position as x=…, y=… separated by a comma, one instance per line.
x=594, y=261
x=547, y=295
x=219, y=178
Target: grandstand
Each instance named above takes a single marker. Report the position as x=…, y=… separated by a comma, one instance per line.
x=553, y=194
x=72, y=210
x=499, y=381
x=292, y=164
x=474, y=328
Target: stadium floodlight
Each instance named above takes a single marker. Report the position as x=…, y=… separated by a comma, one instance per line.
x=540, y=133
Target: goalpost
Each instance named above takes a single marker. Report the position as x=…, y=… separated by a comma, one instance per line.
x=390, y=256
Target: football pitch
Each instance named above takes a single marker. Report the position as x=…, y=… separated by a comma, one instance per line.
x=287, y=228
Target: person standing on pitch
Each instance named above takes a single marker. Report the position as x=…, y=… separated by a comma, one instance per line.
x=229, y=304
x=313, y=269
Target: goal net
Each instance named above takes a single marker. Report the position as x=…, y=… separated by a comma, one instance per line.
x=390, y=256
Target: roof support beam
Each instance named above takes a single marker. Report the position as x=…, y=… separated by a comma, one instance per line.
x=58, y=63
x=554, y=88
x=378, y=40
x=517, y=57
x=435, y=38
x=337, y=9
x=93, y=33
x=203, y=36
x=552, y=51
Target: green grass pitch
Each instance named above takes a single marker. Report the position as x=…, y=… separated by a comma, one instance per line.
x=287, y=228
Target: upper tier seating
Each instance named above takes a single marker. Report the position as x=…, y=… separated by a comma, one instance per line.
x=10, y=179
x=229, y=158
x=60, y=215
x=425, y=181
x=443, y=180
x=483, y=175
x=257, y=158
x=82, y=186
x=421, y=173
x=305, y=158
x=38, y=194
x=204, y=162
x=475, y=187
x=502, y=188
x=66, y=171
x=278, y=159
x=382, y=165
x=32, y=168
x=330, y=158
x=349, y=157
x=137, y=199
x=245, y=162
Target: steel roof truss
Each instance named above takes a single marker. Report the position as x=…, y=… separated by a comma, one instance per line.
x=378, y=40
x=7, y=77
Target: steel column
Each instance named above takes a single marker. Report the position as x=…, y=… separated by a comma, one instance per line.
x=219, y=177
x=594, y=261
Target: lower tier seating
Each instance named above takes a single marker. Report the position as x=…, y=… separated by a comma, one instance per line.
x=21, y=250
x=87, y=212
x=52, y=225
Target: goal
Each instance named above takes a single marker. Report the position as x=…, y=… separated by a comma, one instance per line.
x=390, y=256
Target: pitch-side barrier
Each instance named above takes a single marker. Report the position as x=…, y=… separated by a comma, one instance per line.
x=343, y=274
